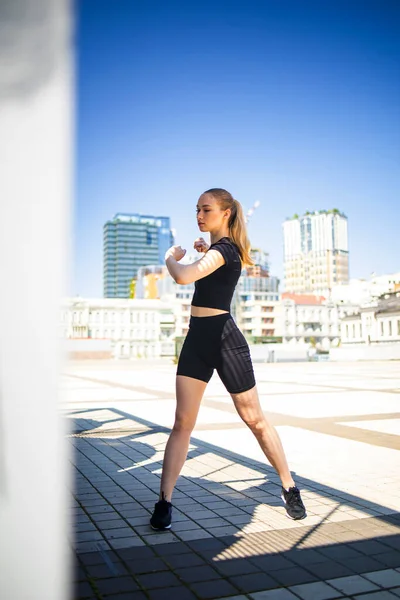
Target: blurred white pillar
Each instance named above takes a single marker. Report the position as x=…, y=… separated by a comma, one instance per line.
x=35, y=205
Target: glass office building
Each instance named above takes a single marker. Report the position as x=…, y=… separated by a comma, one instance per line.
x=131, y=241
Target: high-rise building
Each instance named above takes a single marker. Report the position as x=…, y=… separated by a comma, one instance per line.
x=261, y=263
x=131, y=241
x=316, y=252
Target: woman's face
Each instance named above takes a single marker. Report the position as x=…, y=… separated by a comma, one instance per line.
x=210, y=216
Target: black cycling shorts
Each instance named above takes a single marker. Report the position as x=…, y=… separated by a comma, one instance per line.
x=217, y=343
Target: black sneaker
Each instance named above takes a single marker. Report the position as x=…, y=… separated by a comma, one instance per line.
x=161, y=517
x=293, y=503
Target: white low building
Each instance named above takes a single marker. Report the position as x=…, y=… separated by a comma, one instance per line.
x=311, y=319
x=136, y=328
x=375, y=323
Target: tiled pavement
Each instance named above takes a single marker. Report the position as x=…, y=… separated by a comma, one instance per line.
x=230, y=538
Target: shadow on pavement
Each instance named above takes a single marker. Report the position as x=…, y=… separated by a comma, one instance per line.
x=229, y=535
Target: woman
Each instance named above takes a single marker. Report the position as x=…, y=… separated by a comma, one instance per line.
x=215, y=342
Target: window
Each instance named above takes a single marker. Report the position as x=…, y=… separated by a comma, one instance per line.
x=354, y=330
x=390, y=327
x=382, y=330
x=398, y=326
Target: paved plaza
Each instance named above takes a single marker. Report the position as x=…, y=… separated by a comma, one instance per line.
x=230, y=538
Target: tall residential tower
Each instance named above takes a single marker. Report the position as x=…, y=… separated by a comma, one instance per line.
x=316, y=252
x=131, y=241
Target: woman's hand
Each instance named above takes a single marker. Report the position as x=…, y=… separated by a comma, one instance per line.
x=200, y=245
x=176, y=252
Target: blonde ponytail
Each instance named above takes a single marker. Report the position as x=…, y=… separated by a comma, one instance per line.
x=238, y=233
x=237, y=223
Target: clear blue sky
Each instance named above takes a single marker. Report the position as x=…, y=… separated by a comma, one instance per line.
x=295, y=104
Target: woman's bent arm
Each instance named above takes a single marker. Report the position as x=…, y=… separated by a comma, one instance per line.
x=184, y=274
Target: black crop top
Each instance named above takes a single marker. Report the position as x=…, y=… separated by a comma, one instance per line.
x=216, y=290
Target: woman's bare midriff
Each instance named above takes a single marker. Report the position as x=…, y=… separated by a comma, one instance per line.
x=202, y=311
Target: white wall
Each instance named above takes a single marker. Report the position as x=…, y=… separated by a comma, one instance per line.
x=35, y=192
x=364, y=352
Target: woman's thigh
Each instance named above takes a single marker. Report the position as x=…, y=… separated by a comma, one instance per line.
x=189, y=393
x=192, y=363
x=235, y=367
x=248, y=406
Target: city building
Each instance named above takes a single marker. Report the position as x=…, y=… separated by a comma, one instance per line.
x=131, y=241
x=374, y=323
x=135, y=328
x=154, y=281
x=256, y=300
x=258, y=313
x=311, y=319
x=255, y=303
x=316, y=255
x=261, y=263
